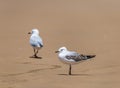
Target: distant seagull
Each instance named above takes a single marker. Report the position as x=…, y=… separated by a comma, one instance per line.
x=35, y=41
x=71, y=57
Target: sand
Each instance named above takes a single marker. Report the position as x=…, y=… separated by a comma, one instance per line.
x=85, y=26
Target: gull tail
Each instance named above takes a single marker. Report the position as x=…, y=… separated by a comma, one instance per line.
x=90, y=56
x=85, y=57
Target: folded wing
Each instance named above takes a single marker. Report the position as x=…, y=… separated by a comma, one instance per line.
x=36, y=41
x=78, y=57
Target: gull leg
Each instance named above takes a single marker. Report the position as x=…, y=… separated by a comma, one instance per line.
x=35, y=53
x=70, y=67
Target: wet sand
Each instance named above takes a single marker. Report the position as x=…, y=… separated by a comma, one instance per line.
x=85, y=26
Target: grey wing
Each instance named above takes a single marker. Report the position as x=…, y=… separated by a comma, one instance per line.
x=74, y=56
x=78, y=57
x=36, y=41
x=40, y=41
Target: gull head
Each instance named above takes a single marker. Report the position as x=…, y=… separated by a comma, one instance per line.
x=34, y=31
x=61, y=49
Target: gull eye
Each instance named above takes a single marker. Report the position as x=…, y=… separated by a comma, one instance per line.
x=62, y=49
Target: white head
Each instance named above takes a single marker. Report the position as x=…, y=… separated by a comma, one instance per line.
x=34, y=31
x=61, y=49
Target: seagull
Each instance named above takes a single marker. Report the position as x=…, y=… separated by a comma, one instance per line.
x=35, y=41
x=71, y=57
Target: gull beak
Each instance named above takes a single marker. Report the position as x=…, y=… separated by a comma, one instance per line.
x=29, y=33
x=56, y=51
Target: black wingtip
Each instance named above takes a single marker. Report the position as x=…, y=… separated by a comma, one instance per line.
x=41, y=45
x=91, y=56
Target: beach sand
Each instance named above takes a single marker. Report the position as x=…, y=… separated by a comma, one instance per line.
x=84, y=26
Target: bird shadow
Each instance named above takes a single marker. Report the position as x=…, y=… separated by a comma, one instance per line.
x=76, y=74
x=35, y=57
